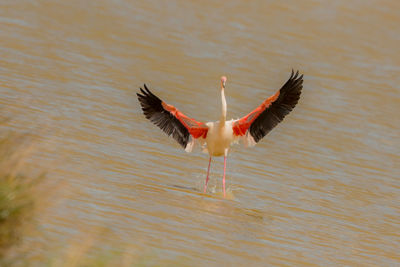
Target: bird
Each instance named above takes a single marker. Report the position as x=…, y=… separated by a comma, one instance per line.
x=217, y=137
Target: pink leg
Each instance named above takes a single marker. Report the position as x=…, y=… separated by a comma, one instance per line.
x=208, y=172
x=223, y=179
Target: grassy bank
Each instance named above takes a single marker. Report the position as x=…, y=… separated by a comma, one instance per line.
x=18, y=191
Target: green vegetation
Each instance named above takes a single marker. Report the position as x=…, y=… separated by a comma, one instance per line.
x=17, y=191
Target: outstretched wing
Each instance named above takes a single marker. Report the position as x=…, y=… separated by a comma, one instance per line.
x=171, y=120
x=265, y=117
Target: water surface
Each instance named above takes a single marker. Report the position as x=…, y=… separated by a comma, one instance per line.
x=321, y=189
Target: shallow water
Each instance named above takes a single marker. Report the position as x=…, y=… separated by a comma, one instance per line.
x=321, y=189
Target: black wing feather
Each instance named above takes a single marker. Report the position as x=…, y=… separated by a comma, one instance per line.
x=154, y=111
x=288, y=97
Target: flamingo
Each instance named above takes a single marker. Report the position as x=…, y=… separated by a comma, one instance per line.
x=217, y=137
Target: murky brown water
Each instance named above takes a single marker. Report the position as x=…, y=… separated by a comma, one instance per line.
x=321, y=189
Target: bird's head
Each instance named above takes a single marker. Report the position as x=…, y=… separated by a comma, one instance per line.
x=223, y=82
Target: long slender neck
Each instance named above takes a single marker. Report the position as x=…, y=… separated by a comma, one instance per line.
x=223, y=114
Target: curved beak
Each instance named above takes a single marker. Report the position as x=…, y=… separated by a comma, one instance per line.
x=223, y=81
